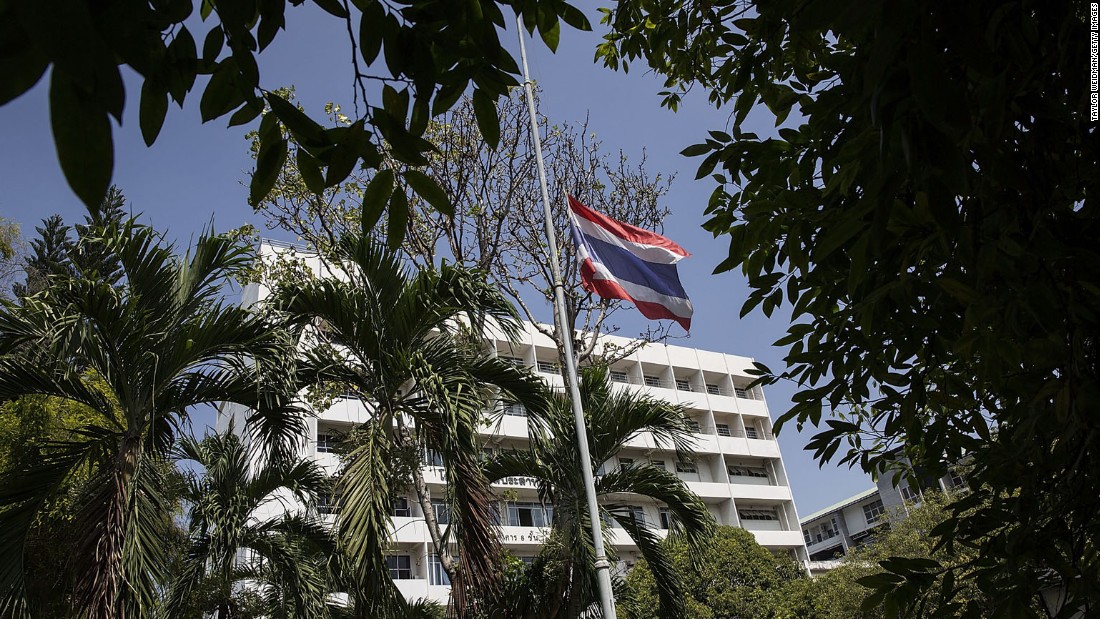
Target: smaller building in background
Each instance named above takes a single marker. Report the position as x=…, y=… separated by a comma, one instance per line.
x=831, y=532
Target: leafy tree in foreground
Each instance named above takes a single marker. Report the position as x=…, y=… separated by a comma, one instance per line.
x=425, y=54
x=927, y=209
x=393, y=336
x=727, y=575
x=287, y=554
x=562, y=582
x=139, y=359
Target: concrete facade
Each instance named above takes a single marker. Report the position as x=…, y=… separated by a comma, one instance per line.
x=738, y=473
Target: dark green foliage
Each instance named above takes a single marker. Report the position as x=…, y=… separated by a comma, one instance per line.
x=391, y=335
x=139, y=359
x=49, y=257
x=928, y=212
x=90, y=255
x=428, y=52
x=57, y=255
x=728, y=575
x=286, y=573
x=562, y=581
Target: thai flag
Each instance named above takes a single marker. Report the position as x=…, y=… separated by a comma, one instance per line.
x=621, y=261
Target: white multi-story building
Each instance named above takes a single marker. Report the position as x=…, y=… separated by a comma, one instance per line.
x=738, y=470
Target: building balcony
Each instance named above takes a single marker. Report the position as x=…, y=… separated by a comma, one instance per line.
x=758, y=491
x=785, y=539
x=763, y=447
x=409, y=530
x=825, y=544
x=414, y=588
x=346, y=410
x=509, y=426
x=705, y=443
x=755, y=408
x=721, y=403
x=734, y=445
x=709, y=490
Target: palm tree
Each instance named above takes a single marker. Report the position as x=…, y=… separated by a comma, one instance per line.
x=396, y=339
x=159, y=345
x=288, y=552
x=562, y=581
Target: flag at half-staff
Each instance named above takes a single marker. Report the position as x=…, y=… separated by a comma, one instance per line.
x=621, y=261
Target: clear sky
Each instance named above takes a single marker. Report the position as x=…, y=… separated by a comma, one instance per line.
x=194, y=176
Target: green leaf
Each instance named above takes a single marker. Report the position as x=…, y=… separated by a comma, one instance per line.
x=21, y=64
x=575, y=18
x=304, y=128
x=427, y=188
x=696, y=149
x=154, y=107
x=310, y=171
x=376, y=194
x=488, y=122
x=269, y=164
x=332, y=7
x=399, y=219
x=221, y=94
x=340, y=163
x=551, y=36
x=372, y=26
x=212, y=45
x=82, y=134
x=247, y=113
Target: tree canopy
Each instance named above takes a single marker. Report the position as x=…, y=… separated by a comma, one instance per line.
x=726, y=575
x=410, y=61
x=926, y=209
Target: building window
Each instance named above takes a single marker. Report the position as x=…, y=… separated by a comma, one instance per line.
x=436, y=574
x=548, y=367
x=625, y=463
x=723, y=429
x=694, y=426
x=516, y=361
x=806, y=535
x=328, y=503
x=747, y=471
x=432, y=458
x=442, y=511
x=637, y=513
x=665, y=517
x=682, y=384
x=757, y=513
x=529, y=515
x=750, y=431
x=326, y=443
x=401, y=508
x=651, y=381
x=400, y=567
x=956, y=479
x=873, y=511
x=658, y=463
x=909, y=494
x=682, y=466
x=515, y=409
x=713, y=389
x=744, y=393
x=618, y=377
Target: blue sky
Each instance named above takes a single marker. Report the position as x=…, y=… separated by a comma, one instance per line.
x=195, y=175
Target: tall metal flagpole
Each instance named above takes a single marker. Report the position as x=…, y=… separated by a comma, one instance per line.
x=603, y=568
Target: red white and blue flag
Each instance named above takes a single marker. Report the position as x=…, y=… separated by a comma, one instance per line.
x=621, y=261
